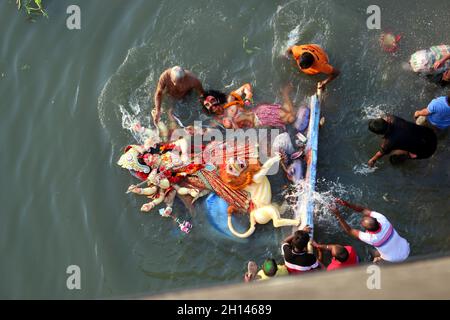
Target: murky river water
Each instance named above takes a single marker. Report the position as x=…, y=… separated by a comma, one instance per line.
x=62, y=196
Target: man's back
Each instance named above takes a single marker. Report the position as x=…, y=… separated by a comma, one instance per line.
x=407, y=136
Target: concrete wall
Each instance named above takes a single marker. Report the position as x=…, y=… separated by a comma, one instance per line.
x=414, y=280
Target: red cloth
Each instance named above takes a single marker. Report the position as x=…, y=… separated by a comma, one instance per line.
x=351, y=261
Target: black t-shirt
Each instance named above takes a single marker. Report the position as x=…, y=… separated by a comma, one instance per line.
x=408, y=136
x=298, y=262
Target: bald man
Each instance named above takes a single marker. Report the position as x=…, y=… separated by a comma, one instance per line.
x=177, y=83
x=379, y=233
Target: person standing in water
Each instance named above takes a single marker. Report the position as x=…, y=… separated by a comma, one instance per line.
x=177, y=83
x=312, y=59
x=402, y=140
x=379, y=233
x=296, y=257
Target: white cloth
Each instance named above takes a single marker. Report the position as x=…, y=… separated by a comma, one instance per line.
x=387, y=241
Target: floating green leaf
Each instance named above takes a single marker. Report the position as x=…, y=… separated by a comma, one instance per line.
x=30, y=9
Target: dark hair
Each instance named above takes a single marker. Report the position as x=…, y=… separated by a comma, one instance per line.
x=371, y=224
x=306, y=60
x=378, y=126
x=220, y=97
x=270, y=267
x=448, y=98
x=341, y=254
x=300, y=240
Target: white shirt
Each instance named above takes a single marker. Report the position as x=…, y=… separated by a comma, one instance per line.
x=391, y=246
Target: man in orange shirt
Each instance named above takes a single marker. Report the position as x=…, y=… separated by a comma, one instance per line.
x=312, y=60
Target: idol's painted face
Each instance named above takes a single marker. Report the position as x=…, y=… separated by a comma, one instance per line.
x=235, y=166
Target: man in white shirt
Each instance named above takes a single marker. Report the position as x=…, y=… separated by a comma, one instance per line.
x=379, y=233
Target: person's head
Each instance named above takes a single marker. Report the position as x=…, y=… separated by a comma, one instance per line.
x=370, y=224
x=300, y=240
x=306, y=60
x=378, y=126
x=212, y=103
x=177, y=74
x=270, y=267
x=340, y=253
x=252, y=267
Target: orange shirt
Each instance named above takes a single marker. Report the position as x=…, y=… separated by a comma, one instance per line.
x=320, y=64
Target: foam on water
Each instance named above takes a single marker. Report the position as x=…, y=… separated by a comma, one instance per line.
x=364, y=169
x=322, y=199
x=375, y=111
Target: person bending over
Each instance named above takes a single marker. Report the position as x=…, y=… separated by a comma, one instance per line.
x=402, y=140
x=177, y=83
x=311, y=59
x=379, y=233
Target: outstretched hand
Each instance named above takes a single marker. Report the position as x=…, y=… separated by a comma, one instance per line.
x=341, y=202
x=321, y=85
x=438, y=64
x=334, y=209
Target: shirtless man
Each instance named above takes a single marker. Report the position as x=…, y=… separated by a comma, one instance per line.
x=177, y=83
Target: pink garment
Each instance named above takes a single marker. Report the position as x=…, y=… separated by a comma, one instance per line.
x=268, y=115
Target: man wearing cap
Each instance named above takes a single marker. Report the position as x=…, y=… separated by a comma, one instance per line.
x=312, y=59
x=177, y=83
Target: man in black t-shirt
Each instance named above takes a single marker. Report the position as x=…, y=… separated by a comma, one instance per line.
x=296, y=258
x=402, y=139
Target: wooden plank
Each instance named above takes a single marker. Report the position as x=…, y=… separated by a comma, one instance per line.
x=305, y=203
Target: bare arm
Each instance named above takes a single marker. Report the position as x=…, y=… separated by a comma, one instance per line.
x=158, y=97
x=347, y=229
x=358, y=208
x=288, y=239
x=199, y=87
x=424, y=112
x=330, y=78
x=441, y=62
x=322, y=247
x=246, y=90
x=374, y=159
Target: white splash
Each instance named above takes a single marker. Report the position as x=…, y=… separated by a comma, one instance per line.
x=364, y=169
x=293, y=37
x=374, y=112
x=322, y=200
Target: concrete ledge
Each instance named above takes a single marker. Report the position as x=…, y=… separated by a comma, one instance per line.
x=414, y=280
